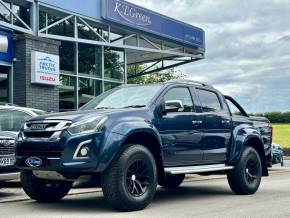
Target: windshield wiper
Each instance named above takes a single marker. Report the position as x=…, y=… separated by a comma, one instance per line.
x=104, y=108
x=135, y=106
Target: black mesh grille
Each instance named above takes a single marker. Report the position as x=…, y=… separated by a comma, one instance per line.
x=38, y=134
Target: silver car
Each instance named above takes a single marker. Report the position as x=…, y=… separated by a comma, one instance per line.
x=11, y=120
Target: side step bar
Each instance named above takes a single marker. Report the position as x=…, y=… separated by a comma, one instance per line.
x=197, y=169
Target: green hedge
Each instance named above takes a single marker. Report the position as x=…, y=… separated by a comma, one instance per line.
x=275, y=117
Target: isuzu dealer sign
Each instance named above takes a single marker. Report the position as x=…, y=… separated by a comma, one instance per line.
x=44, y=68
x=137, y=17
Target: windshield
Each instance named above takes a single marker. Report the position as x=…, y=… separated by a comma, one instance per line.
x=124, y=97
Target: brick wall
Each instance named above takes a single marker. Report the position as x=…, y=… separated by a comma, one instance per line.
x=27, y=94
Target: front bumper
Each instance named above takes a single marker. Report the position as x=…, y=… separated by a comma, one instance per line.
x=9, y=176
x=59, y=155
x=9, y=172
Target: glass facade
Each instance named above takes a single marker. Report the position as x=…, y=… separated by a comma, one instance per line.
x=87, y=71
x=67, y=92
x=23, y=13
x=110, y=85
x=5, y=15
x=114, y=64
x=67, y=57
x=90, y=60
x=20, y=10
x=88, y=89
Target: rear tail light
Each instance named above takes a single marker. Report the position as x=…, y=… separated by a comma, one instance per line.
x=271, y=132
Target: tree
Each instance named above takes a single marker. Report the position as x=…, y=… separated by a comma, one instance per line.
x=158, y=77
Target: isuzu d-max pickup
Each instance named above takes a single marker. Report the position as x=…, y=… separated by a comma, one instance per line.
x=135, y=137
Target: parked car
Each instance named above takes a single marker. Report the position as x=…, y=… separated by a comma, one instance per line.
x=276, y=156
x=11, y=120
x=7, y=157
x=137, y=136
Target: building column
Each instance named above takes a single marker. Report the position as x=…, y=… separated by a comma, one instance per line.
x=26, y=94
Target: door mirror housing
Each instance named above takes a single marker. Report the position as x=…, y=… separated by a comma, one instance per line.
x=173, y=106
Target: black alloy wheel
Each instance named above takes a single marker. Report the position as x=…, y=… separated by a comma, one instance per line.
x=246, y=176
x=252, y=171
x=138, y=178
x=130, y=183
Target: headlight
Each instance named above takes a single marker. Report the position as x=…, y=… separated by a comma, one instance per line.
x=87, y=126
x=19, y=138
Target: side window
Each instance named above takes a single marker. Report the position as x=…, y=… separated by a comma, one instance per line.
x=233, y=108
x=183, y=95
x=12, y=120
x=209, y=101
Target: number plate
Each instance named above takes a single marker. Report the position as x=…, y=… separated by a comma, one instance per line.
x=7, y=161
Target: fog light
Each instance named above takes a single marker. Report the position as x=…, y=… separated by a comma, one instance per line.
x=84, y=152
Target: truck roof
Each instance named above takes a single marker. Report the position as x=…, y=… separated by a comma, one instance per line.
x=190, y=82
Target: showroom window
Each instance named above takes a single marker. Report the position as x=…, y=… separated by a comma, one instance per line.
x=91, y=33
x=90, y=60
x=67, y=93
x=88, y=89
x=65, y=28
x=21, y=9
x=110, y=85
x=82, y=76
x=66, y=55
x=114, y=64
x=4, y=13
x=23, y=13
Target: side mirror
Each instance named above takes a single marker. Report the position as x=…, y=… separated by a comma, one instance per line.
x=174, y=106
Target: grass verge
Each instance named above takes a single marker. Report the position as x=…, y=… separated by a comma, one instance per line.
x=281, y=135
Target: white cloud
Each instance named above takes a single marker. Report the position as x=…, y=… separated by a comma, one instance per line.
x=248, y=47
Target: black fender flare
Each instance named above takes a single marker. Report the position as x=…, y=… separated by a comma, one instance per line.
x=113, y=142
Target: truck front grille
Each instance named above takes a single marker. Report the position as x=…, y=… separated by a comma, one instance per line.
x=7, y=146
x=44, y=129
x=38, y=134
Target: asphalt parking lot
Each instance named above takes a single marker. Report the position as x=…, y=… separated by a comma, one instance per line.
x=197, y=197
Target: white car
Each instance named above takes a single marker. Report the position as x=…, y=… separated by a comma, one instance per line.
x=12, y=118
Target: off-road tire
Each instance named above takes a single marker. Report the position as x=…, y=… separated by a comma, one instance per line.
x=43, y=190
x=245, y=178
x=118, y=181
x=172, y=181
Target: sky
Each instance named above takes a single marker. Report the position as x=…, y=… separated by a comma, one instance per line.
x=247, y=47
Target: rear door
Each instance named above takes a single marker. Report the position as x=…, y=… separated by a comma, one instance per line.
x=217, y=125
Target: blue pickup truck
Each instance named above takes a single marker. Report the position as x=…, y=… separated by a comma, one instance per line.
x=135, y=137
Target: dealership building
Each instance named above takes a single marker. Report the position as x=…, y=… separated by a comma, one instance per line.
x=57, y=55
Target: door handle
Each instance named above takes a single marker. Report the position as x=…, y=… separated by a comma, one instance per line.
x=196, y=122
x=226, y=121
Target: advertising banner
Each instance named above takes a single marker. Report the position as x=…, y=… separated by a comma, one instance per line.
x=6, y=45
x=128, y=14
x=44, y=68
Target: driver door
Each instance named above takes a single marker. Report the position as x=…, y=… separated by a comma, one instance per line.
x=181, y=131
